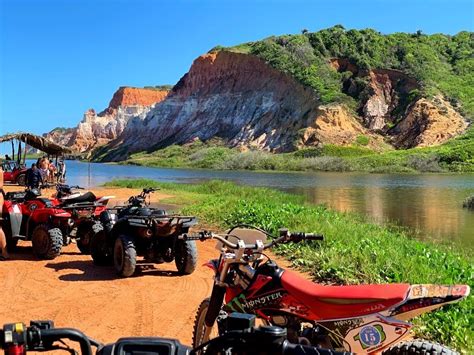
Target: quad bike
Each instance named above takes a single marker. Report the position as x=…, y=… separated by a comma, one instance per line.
x=14, y=173
x=241, y=339
x=356, y=318
x=85, y=209
x=138, y=230
x=48, y=223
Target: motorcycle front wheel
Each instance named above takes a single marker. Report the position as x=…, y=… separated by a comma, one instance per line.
x=199, y=331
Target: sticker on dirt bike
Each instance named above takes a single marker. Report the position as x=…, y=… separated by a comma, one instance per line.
x=428, y=290
x=376, y=333
x=370, y=336
x=242, y=304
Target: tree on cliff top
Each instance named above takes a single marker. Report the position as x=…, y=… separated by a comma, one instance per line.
x=440, y=63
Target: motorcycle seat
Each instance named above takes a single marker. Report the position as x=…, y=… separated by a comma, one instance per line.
x=87, y=197
x=335, y=302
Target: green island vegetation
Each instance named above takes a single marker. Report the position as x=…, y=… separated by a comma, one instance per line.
x=457, y=155
x=441, y=64
x=354, y=250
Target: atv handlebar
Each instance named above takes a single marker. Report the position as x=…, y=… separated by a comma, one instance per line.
x=41, y=336
x=16, y=338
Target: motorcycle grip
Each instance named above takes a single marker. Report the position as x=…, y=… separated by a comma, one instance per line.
x=313, y=236
x=194, y=236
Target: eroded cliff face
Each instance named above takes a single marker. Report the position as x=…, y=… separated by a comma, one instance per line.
x=428, y=122
x=248, y=104
x=98, y=129
x=242, y=100
x=233, y=96
x=335, y=124
x=61, y=136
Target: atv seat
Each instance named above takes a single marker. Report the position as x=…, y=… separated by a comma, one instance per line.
x=87, y=197
x=333, y=302
x=15, y=195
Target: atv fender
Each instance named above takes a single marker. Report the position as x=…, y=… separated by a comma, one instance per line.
x=16, y=218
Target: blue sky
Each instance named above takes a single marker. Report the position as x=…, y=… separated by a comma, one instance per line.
x=59, y=58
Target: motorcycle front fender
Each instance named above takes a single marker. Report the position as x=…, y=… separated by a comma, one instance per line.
x=212, y=264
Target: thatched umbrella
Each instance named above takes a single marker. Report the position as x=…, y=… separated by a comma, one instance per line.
x=37, y=142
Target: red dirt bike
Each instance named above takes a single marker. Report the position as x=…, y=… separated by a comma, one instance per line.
x=359, y=318
x=48, y=223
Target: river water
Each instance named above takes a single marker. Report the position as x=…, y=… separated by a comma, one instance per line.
x=429, y=203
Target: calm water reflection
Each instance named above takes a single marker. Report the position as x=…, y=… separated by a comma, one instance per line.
x=430, y=203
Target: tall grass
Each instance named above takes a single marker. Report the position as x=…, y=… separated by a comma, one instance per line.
x=354, y=250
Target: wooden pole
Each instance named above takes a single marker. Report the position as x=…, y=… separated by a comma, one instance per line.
x=19, y=153
x=24, y=154
x=13, y=150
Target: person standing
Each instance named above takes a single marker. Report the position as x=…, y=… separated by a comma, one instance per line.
x=33, y=177
x=3, y=239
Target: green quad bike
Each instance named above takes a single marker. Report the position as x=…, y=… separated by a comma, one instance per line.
x=134, y=230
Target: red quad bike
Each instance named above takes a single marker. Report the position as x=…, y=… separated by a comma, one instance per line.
x=14, y=173
x=361, y=318
x=48, y=223
x=85, y=209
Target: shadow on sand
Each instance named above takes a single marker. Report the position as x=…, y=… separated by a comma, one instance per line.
x=91, y=272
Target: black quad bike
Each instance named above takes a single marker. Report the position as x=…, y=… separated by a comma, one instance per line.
x=137, y=229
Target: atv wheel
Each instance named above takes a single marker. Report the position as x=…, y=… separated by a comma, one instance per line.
x=84, y=233
x=199, y=336
x=419, y=347
x=185, y=256
x=47, y=242
x=100, y=251
x=125, y=256
x=21, y=180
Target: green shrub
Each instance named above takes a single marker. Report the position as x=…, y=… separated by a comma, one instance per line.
x=362, y=140
x=469, y=203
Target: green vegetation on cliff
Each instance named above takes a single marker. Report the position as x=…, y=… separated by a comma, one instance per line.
x=354, y=251
x=440, y=63
x=456, y=155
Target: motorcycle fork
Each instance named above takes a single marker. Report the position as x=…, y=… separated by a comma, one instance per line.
x=217, y=298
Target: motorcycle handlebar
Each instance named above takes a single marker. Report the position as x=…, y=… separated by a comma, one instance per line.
x=284, y=238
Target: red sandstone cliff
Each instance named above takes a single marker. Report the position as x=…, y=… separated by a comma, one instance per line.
x=241, y=99
x=98, y=129
x=247, y=103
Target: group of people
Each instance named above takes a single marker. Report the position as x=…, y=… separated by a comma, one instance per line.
x=44, y=171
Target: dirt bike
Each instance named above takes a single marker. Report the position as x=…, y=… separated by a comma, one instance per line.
x=138, y=230
x=244, y=338
x=356, y=318
x=48, y=223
